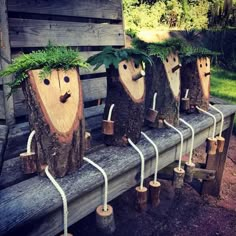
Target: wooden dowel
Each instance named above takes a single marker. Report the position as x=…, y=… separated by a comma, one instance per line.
x=178, y=178
x=155, y=187
x=175, y=68
x=139, y=75
x=189, y=171
x=141, y=198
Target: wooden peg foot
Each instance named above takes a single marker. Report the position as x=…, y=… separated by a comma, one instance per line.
x=211, y=146
x=220, y=144
x=185, y=104
x=88, y=138
x=28, y=162
x=141, y=198
x=178, y=179
x=189, y=171
x=151, y=115
x=105, y=220
x=155, y=187
x=108, y=127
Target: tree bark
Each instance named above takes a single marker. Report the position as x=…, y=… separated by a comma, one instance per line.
x=128, y=115
x=167, y=104
x=62, y=152
x=191, y=79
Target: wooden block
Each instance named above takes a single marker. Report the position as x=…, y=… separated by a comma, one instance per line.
x=154, y=188
x=178, y=179
x=189, y=171
x=141, y=198
x=105, y=220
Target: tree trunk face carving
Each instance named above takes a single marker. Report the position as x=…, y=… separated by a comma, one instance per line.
x=127, y=95
x=195, y=76
x=172, y=66
x=204, y=70
x=132, y=79
x=162, y=80
x=56, y=114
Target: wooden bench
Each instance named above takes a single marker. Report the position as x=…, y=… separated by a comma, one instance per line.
x=32, y=206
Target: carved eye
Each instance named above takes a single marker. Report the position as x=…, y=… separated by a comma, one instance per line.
x=46, y=81
x=66, y=79
x=174, y=59
x=125, y=66
x=201, y=65
x=206, y=65
x=136, y=65
x=167, y=60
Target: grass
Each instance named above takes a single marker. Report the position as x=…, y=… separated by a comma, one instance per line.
x=223, y=85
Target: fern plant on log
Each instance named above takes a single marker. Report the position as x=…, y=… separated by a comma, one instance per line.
x=125, y=91
x=52, y=87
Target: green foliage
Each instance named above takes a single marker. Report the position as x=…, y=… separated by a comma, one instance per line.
x=186, y=51
x=47, y=59
x=111, y=56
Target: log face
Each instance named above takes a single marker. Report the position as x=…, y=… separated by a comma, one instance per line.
x=128, y=115
x=135, y=89
x=59, y=126
x=173, y=76
x=203, y=66
x=167, y=104
x=193, y=78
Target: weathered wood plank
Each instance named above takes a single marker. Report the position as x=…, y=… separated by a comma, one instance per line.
x=37, y=33
x=2, y=106
x=79, y=8
x=3, y=140
x=5, y=53
x=92, y=89
x=84, y=188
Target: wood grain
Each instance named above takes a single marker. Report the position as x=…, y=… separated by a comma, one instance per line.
x=78, y=8
x=2, y=105
x=37, y=33
x=83, y=189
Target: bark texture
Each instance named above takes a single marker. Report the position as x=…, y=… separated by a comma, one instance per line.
x=62, y=157
x=190, y=80
x=167, y=104
x=128, y=116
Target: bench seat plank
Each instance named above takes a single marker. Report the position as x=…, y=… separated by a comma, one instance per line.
x=35, y=198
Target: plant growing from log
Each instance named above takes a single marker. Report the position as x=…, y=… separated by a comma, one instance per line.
x=53, y=57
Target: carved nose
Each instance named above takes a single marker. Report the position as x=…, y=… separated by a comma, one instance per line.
x=208, y=73
x=63, y=98
x=139, y=75
x=176, y=68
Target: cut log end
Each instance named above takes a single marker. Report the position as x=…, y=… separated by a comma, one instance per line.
x=141, y=198
x=211, y=146
x=178, y=178
x=28, y=162
x=189, y=171
x=155, y=187
x=105, y=220
x=220, y=144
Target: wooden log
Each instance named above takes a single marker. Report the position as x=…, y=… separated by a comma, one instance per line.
x=155, y=188
x=220, y=144
x=163, y=78
x=105, y=220
x=141, y=198
x=189, y=172
x=127, y=95
x=28, y=162
x=195, y=76
x=59, y=126
x=185, y=104
x=178, y=178
x=211, y=146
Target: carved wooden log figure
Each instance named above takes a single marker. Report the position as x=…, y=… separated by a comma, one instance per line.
x=163, y=78
x=126, y=90
x=56, y=115
x=195, y=76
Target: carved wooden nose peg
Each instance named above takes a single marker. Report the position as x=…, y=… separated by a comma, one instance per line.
x=175, y=68
x=139, y=75
x=208, y=73
x=64, y=97
x=108, y=125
